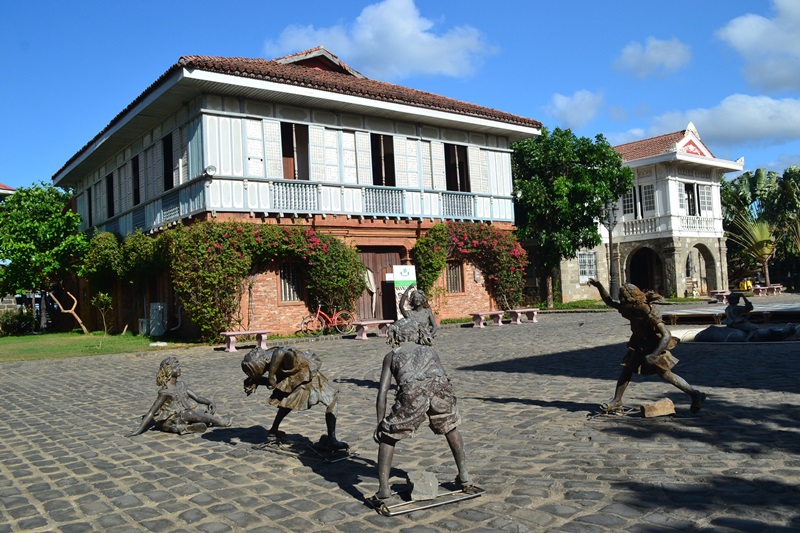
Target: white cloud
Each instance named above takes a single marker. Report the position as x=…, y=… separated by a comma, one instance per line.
x=739, y=119
x=623, y=137
x=391, y=40
x=574, y=111
x=662, y=57
x=769, y=46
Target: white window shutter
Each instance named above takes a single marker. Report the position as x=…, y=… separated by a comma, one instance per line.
x=425, y=165
x=364, y=157
x=183, y=176
x=273, y=154
x=332, y=173
x=255, y=149
x=438, y=166
x=349, y=158
x=478, y=172
x=126, y=182
x=316, y=141
x=157, y=183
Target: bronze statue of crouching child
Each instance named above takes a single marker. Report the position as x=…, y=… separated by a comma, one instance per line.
x=296, y=383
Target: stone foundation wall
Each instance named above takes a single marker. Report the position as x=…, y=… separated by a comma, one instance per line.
x=571, y=287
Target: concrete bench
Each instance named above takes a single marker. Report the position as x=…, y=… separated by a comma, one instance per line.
x=363, y=325
x=230, y=338
x=517, y=314
x=774, y=290
x=719, y=296
x=693, y=318
x=478, y=318
x=759, y=291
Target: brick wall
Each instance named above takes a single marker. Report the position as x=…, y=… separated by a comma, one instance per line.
x=474, y=298
x=259, y=309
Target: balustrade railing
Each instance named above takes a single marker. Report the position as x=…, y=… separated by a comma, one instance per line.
x=294, y=196
x=458, y=205
x=383, y=201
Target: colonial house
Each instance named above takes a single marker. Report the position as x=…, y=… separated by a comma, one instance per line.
x=299, y=140
x=666, y=232
x=5, y=191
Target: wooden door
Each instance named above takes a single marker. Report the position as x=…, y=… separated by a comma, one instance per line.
x=380, y=303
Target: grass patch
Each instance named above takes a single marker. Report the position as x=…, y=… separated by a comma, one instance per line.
x=64, y=345
x=577, y=304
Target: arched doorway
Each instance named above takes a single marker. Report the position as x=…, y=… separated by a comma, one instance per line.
x=646, y=271
x=700, y=270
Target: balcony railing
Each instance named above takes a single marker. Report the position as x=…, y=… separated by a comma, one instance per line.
x=671, y=225
x=296, y=197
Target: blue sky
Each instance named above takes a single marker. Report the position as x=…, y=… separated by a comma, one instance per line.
x=627, y=69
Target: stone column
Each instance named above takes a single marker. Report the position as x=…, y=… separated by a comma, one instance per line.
x=671, y=254
x=722, y=265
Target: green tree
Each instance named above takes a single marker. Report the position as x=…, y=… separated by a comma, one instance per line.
x=496, y=253
x=562, y=185
x=783, y=206
x=101, y=263
x=40, y=244
x=747, y=193
x=756, y=238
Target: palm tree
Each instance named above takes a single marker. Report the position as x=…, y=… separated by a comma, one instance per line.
x=757, y=239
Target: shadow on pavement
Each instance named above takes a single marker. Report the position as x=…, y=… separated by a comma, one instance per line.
x=573, y=407
x=716, y=492
x=753, y=367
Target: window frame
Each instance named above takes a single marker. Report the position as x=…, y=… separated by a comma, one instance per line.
x=451, y=274
x=587, y=269
x=293, y=283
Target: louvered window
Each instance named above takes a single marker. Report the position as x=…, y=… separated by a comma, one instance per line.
x=455, y=277
x=291, y=287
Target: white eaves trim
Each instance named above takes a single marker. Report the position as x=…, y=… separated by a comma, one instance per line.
x=724, y=164
x=466, y=120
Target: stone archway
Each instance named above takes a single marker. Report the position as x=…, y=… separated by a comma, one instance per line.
x=700, y=270
x=645, y=269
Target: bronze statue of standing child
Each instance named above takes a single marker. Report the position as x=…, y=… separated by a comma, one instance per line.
x=649, y=345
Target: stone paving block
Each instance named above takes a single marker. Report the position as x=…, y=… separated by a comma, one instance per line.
x=529, y=441
x=214, y=527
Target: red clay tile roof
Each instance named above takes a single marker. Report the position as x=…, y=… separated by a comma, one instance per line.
x=4, y=187
x=319, y=55
x=650, y=147
x=334, y=82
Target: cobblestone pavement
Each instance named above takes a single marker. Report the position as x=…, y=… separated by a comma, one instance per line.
x=527, y=394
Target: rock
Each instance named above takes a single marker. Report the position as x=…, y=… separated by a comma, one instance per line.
x=662, y=407
x=424, y=485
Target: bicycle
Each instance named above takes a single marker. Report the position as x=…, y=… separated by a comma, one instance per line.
x=316, y=324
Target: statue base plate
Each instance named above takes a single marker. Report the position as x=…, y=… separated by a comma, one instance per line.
x=401, y=503
x=299, y=450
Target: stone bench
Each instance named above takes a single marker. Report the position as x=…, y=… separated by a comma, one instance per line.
x=672, y=318
x=517, y=314
x=719, y=296
x=759, y=291
x=230, y=338
x=774, y=290
x=478, y=318
x=363, y=325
